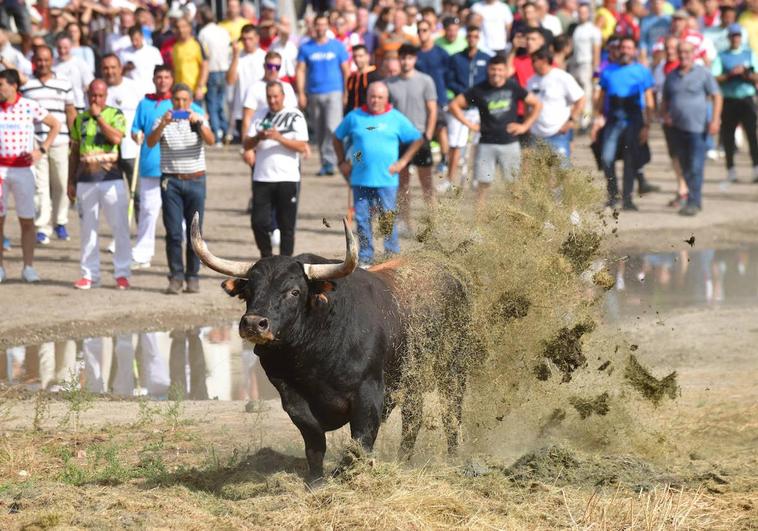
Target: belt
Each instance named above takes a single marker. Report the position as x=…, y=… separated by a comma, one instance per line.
x=186, y=176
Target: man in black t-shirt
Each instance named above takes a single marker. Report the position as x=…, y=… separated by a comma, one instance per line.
x=496, y=99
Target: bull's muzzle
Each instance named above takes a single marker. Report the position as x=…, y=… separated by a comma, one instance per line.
x=256, y=329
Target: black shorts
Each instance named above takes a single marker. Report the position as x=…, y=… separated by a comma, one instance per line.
x=423, y=157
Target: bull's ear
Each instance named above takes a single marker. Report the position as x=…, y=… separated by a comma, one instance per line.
x=234, y=287
x=320, y=292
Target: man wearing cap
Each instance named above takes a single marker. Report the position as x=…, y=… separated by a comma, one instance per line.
x=686, y=94
x=451, y=39
x=735, y=70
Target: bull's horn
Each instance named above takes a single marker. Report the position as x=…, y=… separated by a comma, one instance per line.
x=229, y=268
x=334, y=271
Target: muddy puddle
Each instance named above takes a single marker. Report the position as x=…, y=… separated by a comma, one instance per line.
x=655, y=283
x=213, y=363
x=205, y=363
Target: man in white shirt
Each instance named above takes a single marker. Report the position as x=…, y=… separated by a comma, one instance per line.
x=278, y=135
x=255, y=96
x=123, y=94
x=496, y=24
x=116, y=42
x=72, y=68
x=585, y=61
x=562, y=103
x=140, y=59
x=246, y=68
x=13, y=59
x=216, y=44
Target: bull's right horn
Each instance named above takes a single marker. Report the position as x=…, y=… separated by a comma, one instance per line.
x=335, y=271
x=230, y=268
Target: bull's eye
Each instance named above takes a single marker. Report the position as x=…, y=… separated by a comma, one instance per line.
x=295, y=292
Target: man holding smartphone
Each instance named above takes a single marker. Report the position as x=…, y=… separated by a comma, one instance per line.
x=181, y=133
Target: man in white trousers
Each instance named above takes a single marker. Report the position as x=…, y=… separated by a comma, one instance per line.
x=95, y=183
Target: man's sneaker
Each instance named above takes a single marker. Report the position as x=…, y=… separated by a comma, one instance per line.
x=174, y=286
x=228, y=139
x=712, y=154
x=28, y=274
x=83, y=283
x=731, y=175
x=6, y=244
x=689, y=210
x=122, y=283
x=42, y=238
x=276, y=238
x=647, y=188
x=442, y=168
x=193, y=285
x=443, y=186
x=112, y=247
x=629, y=206
x=140, y=265
x=2, y=274
x=61, y=233
x=364, y=265
x=326, y=169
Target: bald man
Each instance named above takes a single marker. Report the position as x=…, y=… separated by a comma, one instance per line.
x=95, y=182
x=375, y=133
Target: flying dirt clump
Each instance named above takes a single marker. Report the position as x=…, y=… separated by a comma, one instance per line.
x=648, y=385
x=580, y=248
x=603, y=279
x=565, y=349
x=587, y=406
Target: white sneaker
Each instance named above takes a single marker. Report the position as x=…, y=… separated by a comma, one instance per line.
x=112, y=247
x=443, y=186
x=276, y=238
x=731, y=175
x=28, y=274
x=140, y=265
x=712, y=154
x=2, y=274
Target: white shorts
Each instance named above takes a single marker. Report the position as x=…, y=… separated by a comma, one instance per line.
x=491, y=156
x=20, y=183
x=458, y=133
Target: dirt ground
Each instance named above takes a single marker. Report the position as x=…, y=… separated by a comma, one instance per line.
x=197, y=465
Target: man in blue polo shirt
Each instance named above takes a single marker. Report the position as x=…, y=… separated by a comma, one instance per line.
x=152, y=107
x=323, y=66
x=624, y=106
x=735, y=70
x=375, y=132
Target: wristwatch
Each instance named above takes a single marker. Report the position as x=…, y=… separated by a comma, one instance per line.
x=43, y=150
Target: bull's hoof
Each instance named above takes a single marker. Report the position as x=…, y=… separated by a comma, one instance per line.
x=316, y=483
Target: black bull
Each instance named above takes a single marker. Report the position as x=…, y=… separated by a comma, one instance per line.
x=344, y=345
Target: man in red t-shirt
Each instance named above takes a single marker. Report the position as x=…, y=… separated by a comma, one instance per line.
x=18, y=152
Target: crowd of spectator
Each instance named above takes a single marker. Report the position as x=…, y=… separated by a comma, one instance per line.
x=109, y=105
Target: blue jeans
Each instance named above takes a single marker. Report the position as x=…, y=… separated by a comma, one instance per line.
x=627, y=134
x=689, y=149
x=214, y=99
x=181, y=199
x=366, y=200
x=561, y=143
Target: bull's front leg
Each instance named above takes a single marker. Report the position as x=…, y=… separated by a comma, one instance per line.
x=366, y=413
x=301, y=415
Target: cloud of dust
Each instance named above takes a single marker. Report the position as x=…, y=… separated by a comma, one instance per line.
x=531, y=261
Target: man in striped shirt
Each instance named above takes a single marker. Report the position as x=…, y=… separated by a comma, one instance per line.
x=18, y=151
x=55, y=94
x=181, y=133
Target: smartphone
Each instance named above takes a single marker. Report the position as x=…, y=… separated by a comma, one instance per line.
x=180, y=115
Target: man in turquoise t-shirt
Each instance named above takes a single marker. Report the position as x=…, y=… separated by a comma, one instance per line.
x=735, y=70
x=375, y=133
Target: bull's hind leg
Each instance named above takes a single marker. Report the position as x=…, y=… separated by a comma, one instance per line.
x=412, y=413
x=451, y=393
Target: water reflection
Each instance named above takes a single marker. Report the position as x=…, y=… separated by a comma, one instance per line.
x=202, y=363
x=658, y=282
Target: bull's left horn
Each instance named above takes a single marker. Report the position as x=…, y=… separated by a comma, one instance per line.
x=334, y=271
x=229, y=268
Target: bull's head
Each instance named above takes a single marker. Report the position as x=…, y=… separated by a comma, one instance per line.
x=277, y=289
